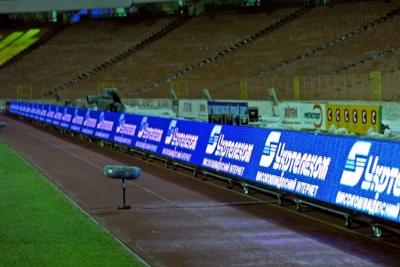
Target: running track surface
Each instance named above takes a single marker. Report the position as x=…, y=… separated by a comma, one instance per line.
x=179, y=220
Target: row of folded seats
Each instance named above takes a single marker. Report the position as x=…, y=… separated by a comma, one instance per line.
x=13, y=43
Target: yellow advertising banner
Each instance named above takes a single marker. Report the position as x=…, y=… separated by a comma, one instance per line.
x=355, y=118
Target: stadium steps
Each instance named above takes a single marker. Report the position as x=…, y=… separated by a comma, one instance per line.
x=42, y=40
x=311, y=52
x=370, y=58
x=241, y=44
x=121, y=56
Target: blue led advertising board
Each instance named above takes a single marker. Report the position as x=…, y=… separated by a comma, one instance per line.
x=57, y=115
x=355, y=173
x=78, y=117
x=105, y=125
x=183, y=140
x=51, y=110
x=126, y=128
x=27, y=110
x=33, y=111
x=151, y=131
x=90, y=121
x=66, y=117
x=43, y=113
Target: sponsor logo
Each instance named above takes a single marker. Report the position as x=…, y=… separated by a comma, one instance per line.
x=355, y=116
x=315, y=115
x=213, y=140
x=276, y=155
x=104, y=124
x=374, y=117
x=364, y=116
x=149, y=133
x=76, y=118
x=89, y=122
x=270, y=147
x=66, y=117
x=355, y=163
x=179, y=139
x=125, y=128
x=43, y=112
x=337, y=114
x=58, y=114
x=378, y=178
x=290, y=112
x=50, y=113
x=170, y=133
x=346, y=115
x=218, y=146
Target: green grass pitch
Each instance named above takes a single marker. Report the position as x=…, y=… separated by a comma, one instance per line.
x=40, y=227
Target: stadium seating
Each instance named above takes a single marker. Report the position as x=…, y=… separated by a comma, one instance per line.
x=195, y=40
x=331, y=49
x=76, y=48
x=319, y=26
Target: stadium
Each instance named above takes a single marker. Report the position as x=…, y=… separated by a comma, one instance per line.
x=199, y=133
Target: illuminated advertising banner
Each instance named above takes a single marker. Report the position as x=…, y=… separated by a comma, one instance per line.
x=20, y=107
x=43, y=113
x=33, y=111
x=370, y=180
x=38, y=113
x=90, y=121
x=150, y=133
x=182, y=140
x=78, y=118
x=230, y=150
x=105, y=125
x=28, y=109
x=58, y=115
x=126, y=128
x=66, y=117
x=51, y=111
x=13, y=107
x=296, y=162
x=354, y=173
x=16, y=107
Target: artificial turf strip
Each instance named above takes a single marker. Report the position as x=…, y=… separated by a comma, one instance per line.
x=40, y=227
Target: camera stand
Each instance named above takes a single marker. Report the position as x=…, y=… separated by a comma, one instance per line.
x=124, y=206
